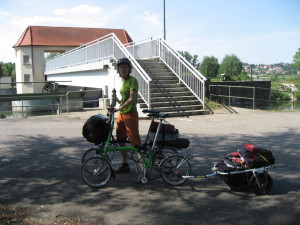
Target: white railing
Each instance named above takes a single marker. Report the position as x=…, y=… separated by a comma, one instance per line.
x=186, y=73
x=107, y=47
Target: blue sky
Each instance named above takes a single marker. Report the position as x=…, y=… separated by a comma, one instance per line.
x=256, y=31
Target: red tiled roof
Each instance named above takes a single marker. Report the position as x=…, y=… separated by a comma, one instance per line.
x=66, y=36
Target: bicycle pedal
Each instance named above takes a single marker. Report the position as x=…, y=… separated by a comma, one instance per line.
x=144, y=180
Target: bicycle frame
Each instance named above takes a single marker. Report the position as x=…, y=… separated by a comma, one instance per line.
x=215, y=172
x=146, y=154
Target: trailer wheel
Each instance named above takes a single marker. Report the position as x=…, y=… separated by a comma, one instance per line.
x=261, y=183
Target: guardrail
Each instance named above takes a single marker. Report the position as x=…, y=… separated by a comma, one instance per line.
x=107, y=47
x=269, y=103
x=61, y=103
x=186, y=73
x=23, y=107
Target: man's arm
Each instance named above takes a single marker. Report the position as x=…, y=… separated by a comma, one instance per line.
x=129, y=101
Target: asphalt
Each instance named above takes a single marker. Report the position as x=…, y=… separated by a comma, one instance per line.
x=40, y=164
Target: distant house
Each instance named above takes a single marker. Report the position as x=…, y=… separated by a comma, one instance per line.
x=38, y=40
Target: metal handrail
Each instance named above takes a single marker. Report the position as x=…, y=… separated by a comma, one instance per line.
x=186, y=73
x=187, y=64
x=114, y=50
x=24, y=98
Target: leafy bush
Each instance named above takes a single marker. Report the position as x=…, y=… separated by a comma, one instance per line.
x=242, y=76
x=280, y=96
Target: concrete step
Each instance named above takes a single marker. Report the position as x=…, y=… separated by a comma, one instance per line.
x=164, y=81
x=169, y=89
x=167, y=93
x=155, y=84
x=171, y=103
x=160, y=72
x=179, y=108
x=170, y=99
x=188, y=113
x=170, y=94
x=183, y=112
x=161, y=78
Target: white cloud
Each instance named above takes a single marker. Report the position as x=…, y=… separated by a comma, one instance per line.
x=39, y=20
x=79, y=10
x=152, y=19
x=277, y=46
x=4, y=13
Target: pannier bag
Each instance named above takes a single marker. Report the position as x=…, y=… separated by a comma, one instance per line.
x=96, y=129
x=248, y=157
x=167, y=132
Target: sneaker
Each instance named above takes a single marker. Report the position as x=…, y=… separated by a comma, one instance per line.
x=140, y=177
x=124, y=168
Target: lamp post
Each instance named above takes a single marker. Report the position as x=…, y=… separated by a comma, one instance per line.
x=164, y=19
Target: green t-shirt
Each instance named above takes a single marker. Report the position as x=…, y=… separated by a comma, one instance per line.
x=130, y=84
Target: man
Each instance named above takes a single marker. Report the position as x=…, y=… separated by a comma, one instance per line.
x=127, y=121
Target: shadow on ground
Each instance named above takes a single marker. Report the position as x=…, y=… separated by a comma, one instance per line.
x=43, y=173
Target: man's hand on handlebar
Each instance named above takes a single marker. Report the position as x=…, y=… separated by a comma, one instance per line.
x=112, y=109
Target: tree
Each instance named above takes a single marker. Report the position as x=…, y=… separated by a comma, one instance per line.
x=231, y=66
x=8, y=70
x=209, y=66
x=191, y=59
x=242, y=76
x=51, y=55
x=296, y=59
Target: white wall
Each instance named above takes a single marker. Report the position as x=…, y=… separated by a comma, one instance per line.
x=107, y=76
x=35, y=67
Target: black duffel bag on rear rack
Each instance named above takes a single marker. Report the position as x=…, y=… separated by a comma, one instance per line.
x=168, y=136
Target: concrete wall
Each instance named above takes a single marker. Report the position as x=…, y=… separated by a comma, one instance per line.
x=104, y=77
x=35, y=66
x=4, y=82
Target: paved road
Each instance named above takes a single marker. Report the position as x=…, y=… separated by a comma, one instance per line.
x=40, y=171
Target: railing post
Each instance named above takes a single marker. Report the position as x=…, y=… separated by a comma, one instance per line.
x=67, y=102
x=229, y=96
x=149, y=97
x=253, y=97
x=150, y=45
x=159, y=47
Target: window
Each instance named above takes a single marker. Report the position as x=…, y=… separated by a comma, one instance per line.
x=26, y=77
x=25, y=59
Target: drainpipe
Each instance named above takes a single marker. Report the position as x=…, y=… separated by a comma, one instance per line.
x=32, y=65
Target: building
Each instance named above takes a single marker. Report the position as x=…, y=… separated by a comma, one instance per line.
x=38, y=40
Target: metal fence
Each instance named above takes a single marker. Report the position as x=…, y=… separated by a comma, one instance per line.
x=25, y=105
x=252, y=97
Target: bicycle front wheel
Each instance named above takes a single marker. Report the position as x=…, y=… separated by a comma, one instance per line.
x=173, y=168
x=89, y=153
x=96, y=172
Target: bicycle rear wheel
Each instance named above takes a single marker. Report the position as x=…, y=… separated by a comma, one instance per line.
x=96, y=172
x=173, y=168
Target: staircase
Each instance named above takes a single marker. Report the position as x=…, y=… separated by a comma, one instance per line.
x=167, y=94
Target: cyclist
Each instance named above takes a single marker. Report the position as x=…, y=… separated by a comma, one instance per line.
x=128, y=119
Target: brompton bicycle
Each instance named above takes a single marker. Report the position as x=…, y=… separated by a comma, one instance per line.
x=156, y=152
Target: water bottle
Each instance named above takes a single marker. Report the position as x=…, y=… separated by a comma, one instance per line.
x=113, y=98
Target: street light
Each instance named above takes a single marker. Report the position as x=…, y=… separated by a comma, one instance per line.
x=164, y=20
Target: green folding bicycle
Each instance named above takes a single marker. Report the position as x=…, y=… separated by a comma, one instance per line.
x=97, y=170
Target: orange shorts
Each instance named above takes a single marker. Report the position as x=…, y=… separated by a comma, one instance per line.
x=128, y=127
